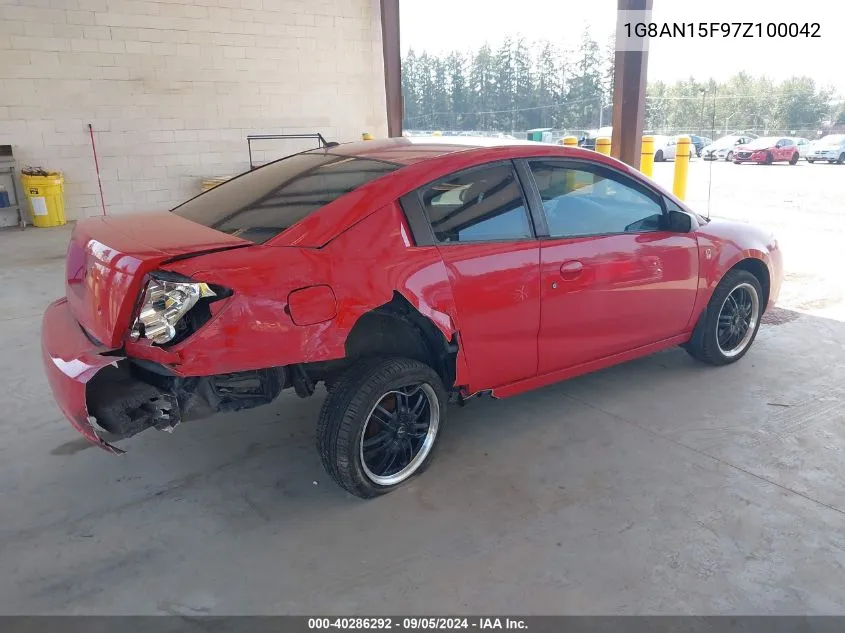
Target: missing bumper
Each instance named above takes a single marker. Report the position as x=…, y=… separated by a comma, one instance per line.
x=127, y=397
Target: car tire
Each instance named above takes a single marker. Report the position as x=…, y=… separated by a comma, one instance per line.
x=794, y=159
x=841, y=158
x=769, y=159
x=363, y=405
x=714, y=340
x=729, y=157
x=810, y=160
x=658, y=157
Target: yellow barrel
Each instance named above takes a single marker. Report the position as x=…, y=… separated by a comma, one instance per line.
x=46, y=198
x=366, y=136
x=603, y=145
x=570, y=141
x=647, y=156
x=211, y=183
x=682, y=153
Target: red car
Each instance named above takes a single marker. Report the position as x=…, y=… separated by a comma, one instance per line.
x=767, y=150
x=402, y=274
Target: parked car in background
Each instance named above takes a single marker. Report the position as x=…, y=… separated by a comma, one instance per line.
x=830, y=148
x=723, y=148
x=490, y=267
x=699, y=142
x=767, y=150
x=802, y=144
x=664, y=148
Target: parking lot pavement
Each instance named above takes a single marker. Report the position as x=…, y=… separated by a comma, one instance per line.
x=659, y=486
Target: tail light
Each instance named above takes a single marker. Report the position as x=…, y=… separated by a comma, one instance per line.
x=172, y=308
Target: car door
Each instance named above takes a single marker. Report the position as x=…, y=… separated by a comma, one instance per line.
x=480, y=222
x=612, y=277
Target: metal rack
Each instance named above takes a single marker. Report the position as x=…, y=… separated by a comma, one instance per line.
x=321, y=142
x=15, y=214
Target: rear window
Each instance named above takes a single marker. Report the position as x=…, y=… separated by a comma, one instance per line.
x=264, y=202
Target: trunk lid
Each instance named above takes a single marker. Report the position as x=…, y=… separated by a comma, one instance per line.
x=108, y=257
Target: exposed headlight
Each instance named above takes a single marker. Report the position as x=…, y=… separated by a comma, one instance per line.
x=163, y=306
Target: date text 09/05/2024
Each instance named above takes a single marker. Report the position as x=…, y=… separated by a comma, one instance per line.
x=722, y=29
x=417, y=624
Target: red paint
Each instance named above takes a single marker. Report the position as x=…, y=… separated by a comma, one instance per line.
x=593, y=285
x=70, y=361
x=315, y=304
x=756, y=154
x=524, y=313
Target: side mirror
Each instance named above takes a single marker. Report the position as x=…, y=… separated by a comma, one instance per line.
x=678, y=222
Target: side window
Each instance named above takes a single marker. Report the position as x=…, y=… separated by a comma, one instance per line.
x=586, y=201
x=480, y=205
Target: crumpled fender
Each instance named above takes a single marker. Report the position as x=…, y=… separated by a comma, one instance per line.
x=70, y=361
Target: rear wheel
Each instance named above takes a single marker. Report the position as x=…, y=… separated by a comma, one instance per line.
x=794, y=159
x=658, y=157
x=841, y=158
x=810, y=160
x=380, y=424
x=729, y=325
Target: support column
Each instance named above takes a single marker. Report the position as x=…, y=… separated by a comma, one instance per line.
x=392, y=65
x=629, y=94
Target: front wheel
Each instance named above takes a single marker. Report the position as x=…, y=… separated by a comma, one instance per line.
x=841, y=158
x=730, y=322
x=794, y=159
x=810, y=160
x=380, y=423
x=769, y=159
x=729, y=157
x=658, y=157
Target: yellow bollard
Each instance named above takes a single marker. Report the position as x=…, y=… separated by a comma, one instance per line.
x=366, y=136
x=570, y=141
x=603, y=145
x=647, y=156
x=682, y=152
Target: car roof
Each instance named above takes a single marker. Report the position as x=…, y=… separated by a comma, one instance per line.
x=407, y=150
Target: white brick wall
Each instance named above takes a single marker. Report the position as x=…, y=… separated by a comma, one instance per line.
x=173, y=87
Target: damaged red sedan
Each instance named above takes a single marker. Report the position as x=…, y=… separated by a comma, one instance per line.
x=402, y=274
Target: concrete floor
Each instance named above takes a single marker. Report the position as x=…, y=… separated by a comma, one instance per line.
x=660, y=486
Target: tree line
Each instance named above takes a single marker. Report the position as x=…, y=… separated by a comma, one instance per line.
x=523, y=85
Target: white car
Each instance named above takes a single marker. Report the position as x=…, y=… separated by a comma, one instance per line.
x=802, y=144
x=664, y=148
x=830, y=148
x=723, y=148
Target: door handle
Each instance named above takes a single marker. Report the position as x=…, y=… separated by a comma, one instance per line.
x=571, y=269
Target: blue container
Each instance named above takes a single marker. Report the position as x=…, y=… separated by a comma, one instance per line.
x=4, y=198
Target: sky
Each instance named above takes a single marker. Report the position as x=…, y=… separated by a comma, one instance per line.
x=444, y=25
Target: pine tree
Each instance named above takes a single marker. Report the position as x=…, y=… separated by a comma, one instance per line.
x=459, y=102
x=548, y=78
x=483, y=87
x=583, y=93
x=410, y=85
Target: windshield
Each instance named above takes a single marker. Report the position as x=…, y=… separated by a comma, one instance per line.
x=762, y=143
x=833, y=139
x=263, y=202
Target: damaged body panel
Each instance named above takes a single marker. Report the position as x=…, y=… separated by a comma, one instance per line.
x=308, y=269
